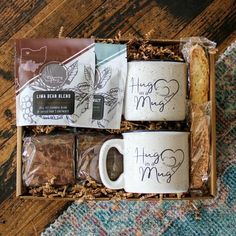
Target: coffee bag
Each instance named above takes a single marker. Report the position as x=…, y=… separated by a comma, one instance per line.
x=54, y=81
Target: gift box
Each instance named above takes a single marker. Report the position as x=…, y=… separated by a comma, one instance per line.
x=210, y=187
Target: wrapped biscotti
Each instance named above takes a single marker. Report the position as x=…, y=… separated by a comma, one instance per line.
x=195, y=51
x=49, y=158
x=200, y=145
x=199, y=89
x=199, y=75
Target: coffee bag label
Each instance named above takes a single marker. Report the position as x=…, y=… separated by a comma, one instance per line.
x=54, y=81
x=98, y=107
x=53, y=103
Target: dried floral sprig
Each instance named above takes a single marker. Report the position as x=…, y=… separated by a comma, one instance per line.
x=61, y=32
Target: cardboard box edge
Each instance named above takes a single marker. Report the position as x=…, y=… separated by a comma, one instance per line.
x=213, y=186
x=128, y=199
x=18, y=161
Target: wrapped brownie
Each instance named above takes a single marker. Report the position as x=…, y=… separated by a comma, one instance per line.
x=49, y=158
x=88, y=148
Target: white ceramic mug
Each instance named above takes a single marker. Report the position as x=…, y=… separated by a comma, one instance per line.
x=155, y=90
x=153, y=162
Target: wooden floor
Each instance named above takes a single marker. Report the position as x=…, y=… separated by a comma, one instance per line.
x=171, y=19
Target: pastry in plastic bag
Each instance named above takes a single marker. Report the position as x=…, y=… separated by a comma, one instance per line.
x=88, y=148
x=196, y=53
x=199, y=75
x=200, y=145
x=48, y=157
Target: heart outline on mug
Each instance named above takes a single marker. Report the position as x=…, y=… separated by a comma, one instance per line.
x=148, y=168
x=141, y=97
x=172, y=157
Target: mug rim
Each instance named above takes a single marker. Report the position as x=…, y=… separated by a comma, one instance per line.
x=158, y=60
x=157, y=131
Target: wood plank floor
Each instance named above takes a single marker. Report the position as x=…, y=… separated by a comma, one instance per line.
x=171, y=19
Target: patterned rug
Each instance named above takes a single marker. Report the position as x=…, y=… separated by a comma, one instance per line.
x=218, y=216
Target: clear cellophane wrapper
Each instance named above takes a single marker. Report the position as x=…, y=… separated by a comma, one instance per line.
x=48, y=158
x=88, y=148
x=200, y=144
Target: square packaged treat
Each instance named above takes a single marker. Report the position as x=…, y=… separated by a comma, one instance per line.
x=49, y=158
x=88, y=148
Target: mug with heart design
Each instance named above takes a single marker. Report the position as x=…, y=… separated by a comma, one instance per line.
x=153, y=162
x=156, y=90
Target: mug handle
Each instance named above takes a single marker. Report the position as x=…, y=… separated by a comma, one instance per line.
x=119, y=145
